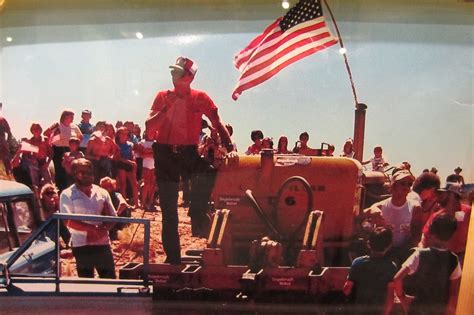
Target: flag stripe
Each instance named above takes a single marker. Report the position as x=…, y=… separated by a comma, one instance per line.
x=311, y=32
x=274, y=36
x=268, y=73
x=276, y=61
x=245, y=54
x=269, y=57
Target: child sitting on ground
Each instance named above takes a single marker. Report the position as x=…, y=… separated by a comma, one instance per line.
x=122, y=207
x=433, y=273
x=367, y=285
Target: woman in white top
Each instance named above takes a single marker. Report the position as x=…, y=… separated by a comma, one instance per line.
x=59, y=135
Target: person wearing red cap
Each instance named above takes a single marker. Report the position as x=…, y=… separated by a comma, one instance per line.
x=175, y=119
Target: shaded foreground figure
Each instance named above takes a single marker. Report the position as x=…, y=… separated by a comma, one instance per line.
x=431, y=275
x=369, y=277
x=89, y=239
x=175, y=119
x=449, y=199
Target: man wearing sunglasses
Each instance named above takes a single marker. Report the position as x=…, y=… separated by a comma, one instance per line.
x=397, y=213
x=175, y=119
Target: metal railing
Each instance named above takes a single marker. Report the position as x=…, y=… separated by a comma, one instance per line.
x=56, y=219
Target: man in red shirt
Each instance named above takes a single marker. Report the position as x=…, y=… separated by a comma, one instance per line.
x=175, y=119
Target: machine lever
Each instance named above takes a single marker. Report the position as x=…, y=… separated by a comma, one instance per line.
x=262, y=215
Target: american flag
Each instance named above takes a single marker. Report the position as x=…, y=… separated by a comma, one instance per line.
x=300, y=33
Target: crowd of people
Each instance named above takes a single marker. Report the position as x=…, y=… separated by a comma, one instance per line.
x=416, y=247
x=109, y=169
x=259, y=143
x=117, y=152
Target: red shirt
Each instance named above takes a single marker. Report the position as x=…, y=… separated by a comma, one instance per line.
x=457, y=243
x=253, y=149
x=182, y=116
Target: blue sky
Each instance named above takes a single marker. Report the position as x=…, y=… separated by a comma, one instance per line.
x=415, y=78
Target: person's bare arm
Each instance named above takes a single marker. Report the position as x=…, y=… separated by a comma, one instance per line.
x=123, y=205
x=49, y=130
x=114, y=150
x=348, y=286
x=389, y=298
x=416, y=225
x=405, y=300
x=49, y=153
x=374, y=213
x=15, y=161
x=9, y=132
x=156, y=116
x=78, y=133
x=222, y=130
x=453, y=296
x=90, y=155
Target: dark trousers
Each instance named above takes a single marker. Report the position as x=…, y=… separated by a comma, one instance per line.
x=186, y=186
x=60, y=175
x=94, y=256
x=170, y=164
x=102, y=168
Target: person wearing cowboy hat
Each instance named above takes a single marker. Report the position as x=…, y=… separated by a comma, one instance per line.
x=176, y=120
x=456, y=177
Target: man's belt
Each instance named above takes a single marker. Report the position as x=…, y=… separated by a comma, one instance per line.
x=176, y=148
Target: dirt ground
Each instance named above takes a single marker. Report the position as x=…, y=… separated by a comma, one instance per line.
x=129, y=247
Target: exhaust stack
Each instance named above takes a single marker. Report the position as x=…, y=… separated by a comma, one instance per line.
x=359, y=131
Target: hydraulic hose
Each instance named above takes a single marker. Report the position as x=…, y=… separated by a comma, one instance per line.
x=270, y=225
x=309, y=193
x=262, y=215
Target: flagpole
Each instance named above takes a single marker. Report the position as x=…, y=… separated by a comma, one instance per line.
x=346, y=61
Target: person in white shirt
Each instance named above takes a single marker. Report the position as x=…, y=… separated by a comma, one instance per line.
x=89, y=239
x=396, y=213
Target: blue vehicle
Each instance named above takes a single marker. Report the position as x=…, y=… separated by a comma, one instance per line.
x=20, y=216
x=30, y=249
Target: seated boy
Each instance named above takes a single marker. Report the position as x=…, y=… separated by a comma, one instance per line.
x=435, y=273
x=119, y=202
x=370, y=275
